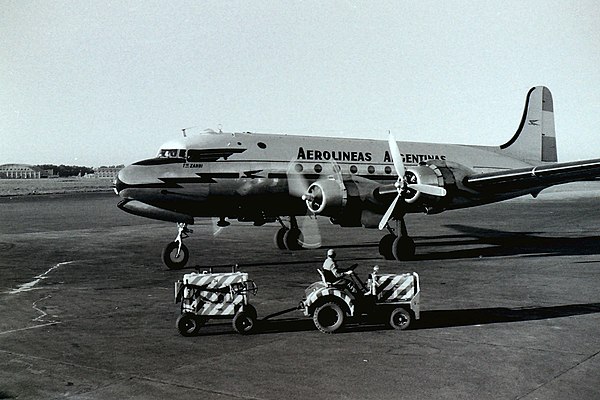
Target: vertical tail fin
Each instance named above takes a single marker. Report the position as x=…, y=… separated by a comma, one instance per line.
x=535, y=139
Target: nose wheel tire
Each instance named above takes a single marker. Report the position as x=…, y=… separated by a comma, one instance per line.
x=173, y=260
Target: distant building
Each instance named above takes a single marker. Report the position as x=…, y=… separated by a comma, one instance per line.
x=106, y=172
x=20, y=171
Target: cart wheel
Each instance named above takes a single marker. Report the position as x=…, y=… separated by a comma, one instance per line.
x=400, y=318
x=329, y=317
x=244, y=322
x=251, y=311
x=189, y=324
x=170, y=257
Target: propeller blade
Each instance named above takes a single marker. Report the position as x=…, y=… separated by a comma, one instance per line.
x=428, y=189
x=337, y=172
x=396, y=156
x=216, y=228
x=389, y=212
x=311, y=237
x=297, y=183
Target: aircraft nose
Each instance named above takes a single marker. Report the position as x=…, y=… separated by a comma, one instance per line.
x=118, y=185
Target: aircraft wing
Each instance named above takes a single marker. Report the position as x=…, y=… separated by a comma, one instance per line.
x=539, y=177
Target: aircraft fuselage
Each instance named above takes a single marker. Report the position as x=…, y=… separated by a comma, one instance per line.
x=246, y=175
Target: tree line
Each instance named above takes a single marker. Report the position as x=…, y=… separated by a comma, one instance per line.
x=67, y=170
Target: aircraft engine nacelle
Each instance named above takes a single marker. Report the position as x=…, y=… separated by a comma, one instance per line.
x=425, y=175
x=326, y=196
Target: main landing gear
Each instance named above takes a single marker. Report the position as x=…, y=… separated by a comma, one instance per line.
x=176, y=254
x=288, y=238
x=393, y=247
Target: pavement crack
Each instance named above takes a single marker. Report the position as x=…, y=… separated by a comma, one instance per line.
x=190, y=387
x=557, y=376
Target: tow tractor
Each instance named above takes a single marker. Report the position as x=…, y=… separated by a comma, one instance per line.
x=209, y=295
x=391, y=298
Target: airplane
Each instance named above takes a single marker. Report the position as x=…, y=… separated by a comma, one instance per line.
x=371, y=183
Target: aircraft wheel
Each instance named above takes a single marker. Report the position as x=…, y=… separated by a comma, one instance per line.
x=403, y=248
x=170, y=257
x=278, y=239
x=291, y=238
x=189, y=324
x=385, y=246
x=329, y=317
x=400, y=318
x=244, y=322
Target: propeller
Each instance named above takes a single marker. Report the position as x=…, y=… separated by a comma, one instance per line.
x=298, y=186
x=402, y=184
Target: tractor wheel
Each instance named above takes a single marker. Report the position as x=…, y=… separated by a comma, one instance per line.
x=170, y=257
x=244, y=322
x=400, y=318
x=188, y=324
x=329, y=317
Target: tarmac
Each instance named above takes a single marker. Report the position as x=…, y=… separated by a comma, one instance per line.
x=510, y=307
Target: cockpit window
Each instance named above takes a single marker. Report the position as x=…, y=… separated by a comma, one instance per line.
x=171, y=153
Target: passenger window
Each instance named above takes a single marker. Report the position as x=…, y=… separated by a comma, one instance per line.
x=353, y=169
x=371, y=169
x=318, y=168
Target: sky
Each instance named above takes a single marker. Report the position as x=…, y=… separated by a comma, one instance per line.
x=107, y=82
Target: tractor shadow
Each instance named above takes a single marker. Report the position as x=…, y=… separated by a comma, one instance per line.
x=435, y=319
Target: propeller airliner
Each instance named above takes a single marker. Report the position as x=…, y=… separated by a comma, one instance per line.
x=264, y=178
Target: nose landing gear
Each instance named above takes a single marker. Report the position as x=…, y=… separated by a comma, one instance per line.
x=176, y=255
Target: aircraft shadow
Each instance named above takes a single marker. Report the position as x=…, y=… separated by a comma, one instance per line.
x=496, y=243
x=435, y=319
x=495, y=315
x=242, y=265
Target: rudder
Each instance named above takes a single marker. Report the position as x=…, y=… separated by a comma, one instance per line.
x=535, y=139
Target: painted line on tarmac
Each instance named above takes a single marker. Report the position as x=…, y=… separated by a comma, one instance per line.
x=25, y=287
x=30, y=327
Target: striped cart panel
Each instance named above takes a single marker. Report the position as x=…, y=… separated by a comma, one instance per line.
x=393, y=287
x=212, y=294
x=329, y=291
x=213, y=281
x=221, y=308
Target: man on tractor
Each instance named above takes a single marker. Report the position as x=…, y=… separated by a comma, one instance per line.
x=336, y=275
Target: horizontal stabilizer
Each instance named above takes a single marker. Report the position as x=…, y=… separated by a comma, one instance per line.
x=534, y=177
